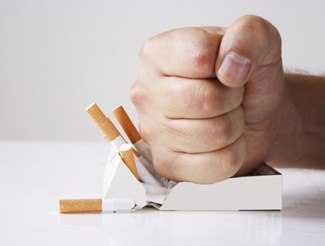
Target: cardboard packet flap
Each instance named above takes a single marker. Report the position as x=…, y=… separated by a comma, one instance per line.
x=119, y=182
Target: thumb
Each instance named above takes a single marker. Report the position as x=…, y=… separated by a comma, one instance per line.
x=249, y=43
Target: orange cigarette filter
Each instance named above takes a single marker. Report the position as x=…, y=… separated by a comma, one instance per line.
x=81, y=206
x=127, y=125
x=104, y=123
x=126, y=152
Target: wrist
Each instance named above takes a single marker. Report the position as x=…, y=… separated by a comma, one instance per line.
x=298, y=129
x=284, y=128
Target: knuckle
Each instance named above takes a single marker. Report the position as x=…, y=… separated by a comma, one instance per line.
x=204, y=53
x=202, y=59
x=145, y=49
x=136, y=94
x=200, y=48
x=209, y=99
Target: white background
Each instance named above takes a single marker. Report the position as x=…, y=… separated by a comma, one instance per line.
x=57, y=57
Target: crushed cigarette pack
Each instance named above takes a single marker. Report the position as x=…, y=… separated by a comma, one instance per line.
x=129, y=174
x=261, y=190
x=131, y=182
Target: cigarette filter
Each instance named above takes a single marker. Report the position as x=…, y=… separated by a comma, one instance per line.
x=81, y=206
x=96, y=205
x=104, y=123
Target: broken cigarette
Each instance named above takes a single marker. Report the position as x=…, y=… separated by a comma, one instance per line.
x=95, y=205
x=144, y=165
x=81, y=206
x=106, y=125
x=114, y=137
x=127, y=125
x=132, y=132
x=127, y=155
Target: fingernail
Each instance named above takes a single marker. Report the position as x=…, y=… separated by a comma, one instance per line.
x=235, y=68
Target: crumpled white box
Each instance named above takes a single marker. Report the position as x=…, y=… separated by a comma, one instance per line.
x=262, y=190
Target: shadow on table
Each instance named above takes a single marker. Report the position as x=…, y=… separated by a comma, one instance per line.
x=305, y=202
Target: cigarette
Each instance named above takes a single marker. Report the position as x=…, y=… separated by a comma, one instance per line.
x=111, y=133
x=132, y=132
x=81, y=206
x=114, y=137
x=127, y=125
x=95, y=205
x=127, y=155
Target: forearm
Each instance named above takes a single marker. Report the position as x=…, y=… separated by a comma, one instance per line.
x=298, y=132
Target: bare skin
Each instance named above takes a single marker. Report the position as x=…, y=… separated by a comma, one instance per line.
x=214, y=102
x=298, y=134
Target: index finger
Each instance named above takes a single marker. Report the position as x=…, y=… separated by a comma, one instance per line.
x=187, y=52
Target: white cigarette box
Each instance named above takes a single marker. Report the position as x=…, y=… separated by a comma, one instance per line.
x=261, y=190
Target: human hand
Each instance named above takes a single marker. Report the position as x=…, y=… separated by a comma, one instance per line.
x=206, y=98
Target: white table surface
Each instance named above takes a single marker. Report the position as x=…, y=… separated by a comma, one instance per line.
x=35, y=175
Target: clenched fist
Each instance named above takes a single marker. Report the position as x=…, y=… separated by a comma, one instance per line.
x=207, y=97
